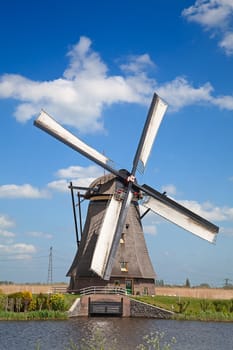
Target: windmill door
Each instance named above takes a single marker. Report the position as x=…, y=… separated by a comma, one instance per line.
x=129, y=286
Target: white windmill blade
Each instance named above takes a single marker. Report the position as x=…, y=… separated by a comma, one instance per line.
x=118, y=232
x=52, y=127
x=179, y=215
x=154, y=118
x=104, y=243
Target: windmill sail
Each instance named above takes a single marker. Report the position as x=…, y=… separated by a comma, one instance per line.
x=179, y=215
x=52, y=127
x=155, y=115
x=105, y=238
x=119, y=224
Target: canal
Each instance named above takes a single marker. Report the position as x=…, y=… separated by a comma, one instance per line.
x=120, y=333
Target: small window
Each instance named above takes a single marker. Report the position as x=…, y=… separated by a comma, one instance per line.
x=124, y=266
x=122, y=240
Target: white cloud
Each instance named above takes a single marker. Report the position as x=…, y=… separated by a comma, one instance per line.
x=40, y=235
x=80, y=176
x=84, y=61
x=22, y=257
x=6, y=234
x=17, y=249
x=137, y=64
x=216, y=16
x=5, y=221
x=169, y=189
x=179, y=93
x=86, y=87
x=150, y=229
x=224, y=102
x=58, y=185
x=80, y=172
x=21, y=191
x=227, y=231
x=227, y=43
x=209, y=211
x=79, y=96
x=210, y=13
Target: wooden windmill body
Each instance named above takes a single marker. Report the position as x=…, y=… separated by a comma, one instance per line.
x=132, y=269
x=112, y=250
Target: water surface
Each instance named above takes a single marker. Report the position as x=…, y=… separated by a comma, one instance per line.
x=127, y=333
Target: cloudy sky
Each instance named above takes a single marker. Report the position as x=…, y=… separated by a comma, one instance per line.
x=94, y=67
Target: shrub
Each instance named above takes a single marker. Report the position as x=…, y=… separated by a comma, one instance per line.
x=42, y=302
x=182, y=306
x=19, y=302
x=220, y=305
x=14, y=302
x=33, y=304
x=26, y=300
x=231, y=305
x=57, y=302
x=3, y=302
x=204, y=305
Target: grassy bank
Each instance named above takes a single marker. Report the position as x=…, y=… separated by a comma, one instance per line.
x=32, y=315
x=193, y=308
x=25, y=306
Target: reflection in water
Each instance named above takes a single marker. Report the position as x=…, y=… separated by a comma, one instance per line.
x=127, y=333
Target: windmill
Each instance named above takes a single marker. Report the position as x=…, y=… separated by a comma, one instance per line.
x=112, y=248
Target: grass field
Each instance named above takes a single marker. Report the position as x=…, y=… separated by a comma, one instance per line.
x=33, y=288
x=201, y=293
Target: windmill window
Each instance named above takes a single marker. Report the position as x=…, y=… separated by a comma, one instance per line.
x=124, y=266
x=122, y=240
x=127, y=226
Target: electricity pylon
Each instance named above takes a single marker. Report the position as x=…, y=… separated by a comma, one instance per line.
x=50, y=267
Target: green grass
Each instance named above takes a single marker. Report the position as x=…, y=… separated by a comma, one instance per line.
x=32, y=315
x=70, y=299
x=185, y=308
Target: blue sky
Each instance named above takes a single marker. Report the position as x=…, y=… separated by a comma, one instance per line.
x=94, y=67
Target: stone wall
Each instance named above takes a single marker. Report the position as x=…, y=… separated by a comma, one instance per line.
x=140, y=309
